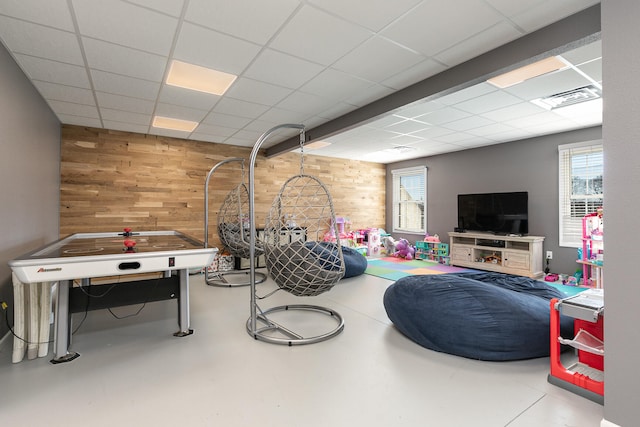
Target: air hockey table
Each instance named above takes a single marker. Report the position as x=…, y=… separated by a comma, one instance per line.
x=83, y=257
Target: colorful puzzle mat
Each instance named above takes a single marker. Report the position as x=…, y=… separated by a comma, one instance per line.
x=393, y=268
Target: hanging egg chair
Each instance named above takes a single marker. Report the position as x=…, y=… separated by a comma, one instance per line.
x=297, y=259
x=233, y=231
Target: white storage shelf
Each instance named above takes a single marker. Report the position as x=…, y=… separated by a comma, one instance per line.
x=519, y=255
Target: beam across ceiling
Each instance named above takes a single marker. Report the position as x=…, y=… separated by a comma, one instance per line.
x=569, y=33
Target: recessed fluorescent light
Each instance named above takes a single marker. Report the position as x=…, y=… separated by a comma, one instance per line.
x=198, y=78
x=174, y=124
x=316, y=145
x=527, y=72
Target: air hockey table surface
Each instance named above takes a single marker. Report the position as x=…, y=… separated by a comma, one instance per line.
x=106, y=254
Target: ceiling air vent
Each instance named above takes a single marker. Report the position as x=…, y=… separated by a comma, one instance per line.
x=570, y=97
x=399, y=149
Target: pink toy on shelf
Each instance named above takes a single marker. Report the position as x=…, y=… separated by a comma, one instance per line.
x=435, y=238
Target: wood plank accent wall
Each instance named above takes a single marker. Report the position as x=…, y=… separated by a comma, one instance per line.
x=112, y=179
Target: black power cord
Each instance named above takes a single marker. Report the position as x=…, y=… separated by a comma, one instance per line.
x=6, y=319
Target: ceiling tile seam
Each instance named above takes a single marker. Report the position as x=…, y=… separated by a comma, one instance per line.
x=263, y=48
x=499, y=12
x=150, y=9
x=74, y=20
x=169, y=59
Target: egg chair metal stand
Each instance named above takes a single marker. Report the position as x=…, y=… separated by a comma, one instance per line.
x=297, y=259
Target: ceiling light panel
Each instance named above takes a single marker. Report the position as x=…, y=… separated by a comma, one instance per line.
x=198, y=78
x=527, y=72
x=174, y=124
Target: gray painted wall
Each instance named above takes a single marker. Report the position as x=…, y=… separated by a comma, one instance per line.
x=621, y=130
x=529, y=165
x=29, y=172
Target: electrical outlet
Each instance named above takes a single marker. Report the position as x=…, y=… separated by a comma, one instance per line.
x=549, y=255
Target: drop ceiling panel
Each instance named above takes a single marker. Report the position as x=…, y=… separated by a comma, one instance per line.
x=239, y=108
x=125, y=117
x=116, y=59
x=258, y=92
x=407, y=126
x=378, y=59
x=482, y=42
x=305, y=103
x=72, y=109
x=187, y=98
x=411, y=75
x=40, y=41
x=58, y=92
x=443, y=115
x=52, y=13
x=208, y=48
x=54, y=72
x=468, y=123
x=281, y=115
x=124, y=103
x=523, y=109
x=379, y=13
x=81, y=121
x=490, y=101
x=170, y=7
x=316, y=36
x=281, y=69
x=226, y=120
x=180, y=112
x=245, y=19
x=119, y=23
x=450, y=25
x=335, y=84
x=123, y=85
x=511, y=8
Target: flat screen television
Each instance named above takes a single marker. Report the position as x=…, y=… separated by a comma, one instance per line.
x=499, y=213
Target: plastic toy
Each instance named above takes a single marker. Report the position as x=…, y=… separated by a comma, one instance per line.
x=404, y=250
x=435, y=238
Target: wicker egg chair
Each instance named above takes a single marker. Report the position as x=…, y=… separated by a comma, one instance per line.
x=233, y=231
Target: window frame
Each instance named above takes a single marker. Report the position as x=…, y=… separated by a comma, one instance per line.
x=397, y=200
x=570, y=228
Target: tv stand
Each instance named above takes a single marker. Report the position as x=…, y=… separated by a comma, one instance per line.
x=519, y=255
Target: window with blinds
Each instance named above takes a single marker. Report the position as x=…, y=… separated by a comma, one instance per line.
x=580, y=179
x=409, y=200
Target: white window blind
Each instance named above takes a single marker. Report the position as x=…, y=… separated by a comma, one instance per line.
x=409, y=200
x=580, y=179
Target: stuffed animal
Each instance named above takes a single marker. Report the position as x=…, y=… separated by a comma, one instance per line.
x=389, y=244
x=404, y=249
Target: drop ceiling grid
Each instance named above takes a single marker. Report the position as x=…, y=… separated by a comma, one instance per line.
x=298, y=61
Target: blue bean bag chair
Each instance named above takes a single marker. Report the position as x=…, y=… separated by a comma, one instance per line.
x=484, y=316
x=354, y=262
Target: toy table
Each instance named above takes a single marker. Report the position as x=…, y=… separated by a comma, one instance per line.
x=585, y=377
x=85, y=256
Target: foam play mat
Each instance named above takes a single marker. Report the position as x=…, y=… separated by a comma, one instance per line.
x=393, y=268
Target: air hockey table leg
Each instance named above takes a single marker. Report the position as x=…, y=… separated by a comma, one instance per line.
x=63, y=325
x=183, y=306
x=45, y=313
x=19, y=306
